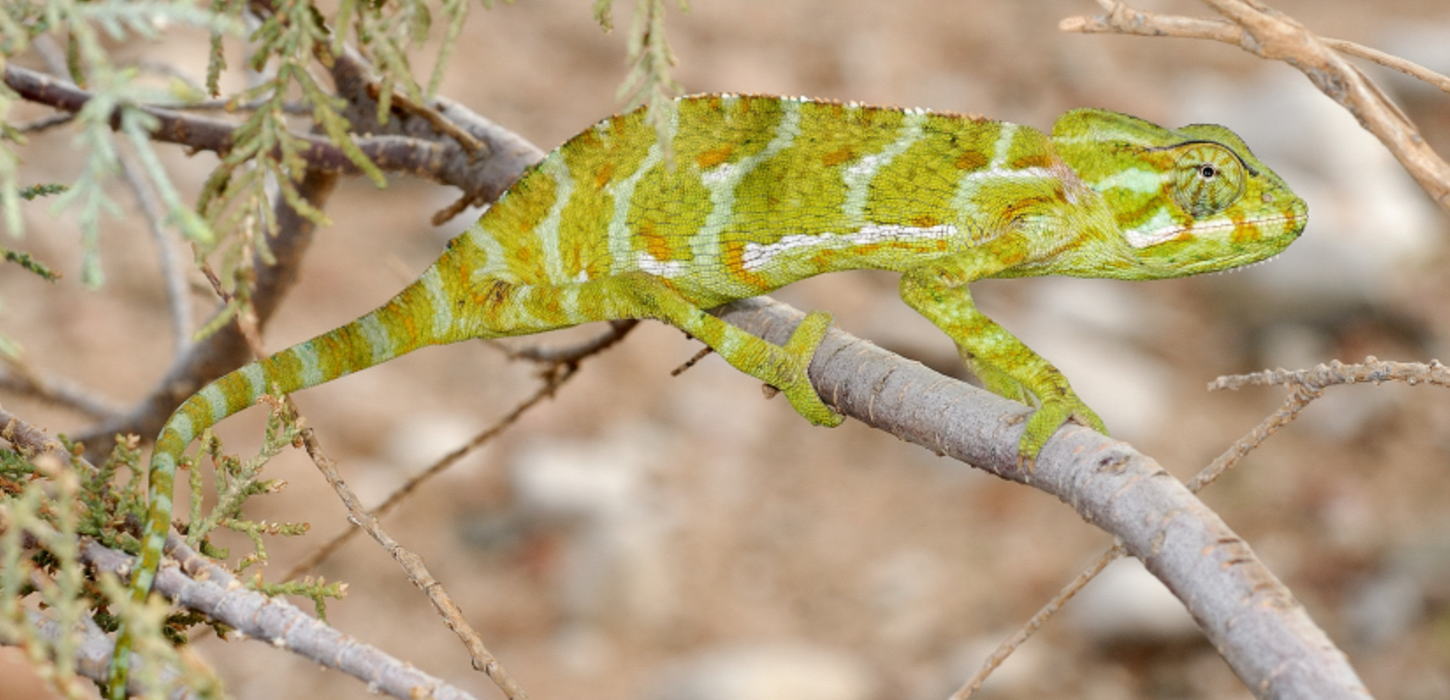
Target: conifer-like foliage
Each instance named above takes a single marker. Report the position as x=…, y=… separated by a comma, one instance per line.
x=265, y=131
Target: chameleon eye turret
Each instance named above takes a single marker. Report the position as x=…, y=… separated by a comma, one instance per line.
x=1207, y=178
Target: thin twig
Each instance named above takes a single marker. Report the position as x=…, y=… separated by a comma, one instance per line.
x=546, y=390
x=44, y=123
x=58, y=390
x=1009, y=645
x=471, y=145
x=700, y=354
x=1371, y=370
x=573, y=353
x=231, y=105
x=178, y=292
x=483, y=659
x=1406, y=66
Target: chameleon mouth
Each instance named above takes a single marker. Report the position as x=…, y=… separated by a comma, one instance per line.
x=1278, y=225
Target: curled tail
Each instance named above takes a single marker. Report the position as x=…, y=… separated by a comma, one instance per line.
x=407, y=322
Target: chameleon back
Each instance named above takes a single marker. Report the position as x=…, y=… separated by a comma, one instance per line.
x=759, y=192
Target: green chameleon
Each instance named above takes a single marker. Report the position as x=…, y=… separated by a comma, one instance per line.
x=759, y=192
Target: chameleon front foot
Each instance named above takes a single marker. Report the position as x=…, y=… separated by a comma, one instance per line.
x=1046, y=420
x=794, y=380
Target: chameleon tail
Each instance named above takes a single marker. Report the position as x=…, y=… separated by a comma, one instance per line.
x=398, y=327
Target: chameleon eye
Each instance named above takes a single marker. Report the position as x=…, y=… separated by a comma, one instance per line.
x=1207, y=179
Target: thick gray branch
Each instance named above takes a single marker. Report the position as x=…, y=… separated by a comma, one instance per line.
x=1248, y=614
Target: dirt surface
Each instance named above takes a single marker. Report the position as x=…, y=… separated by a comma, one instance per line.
x=643, y=536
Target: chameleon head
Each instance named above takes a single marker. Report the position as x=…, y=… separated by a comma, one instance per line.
x=1183, y=201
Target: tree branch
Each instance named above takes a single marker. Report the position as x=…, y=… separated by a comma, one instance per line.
x=1247, y=613
x=201, y=585
x=391, y=153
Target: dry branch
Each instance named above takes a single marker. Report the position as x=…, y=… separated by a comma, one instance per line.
x=201, y=585
x=200, y=133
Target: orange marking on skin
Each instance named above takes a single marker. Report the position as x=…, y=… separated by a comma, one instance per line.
x=715, y=156
x=603, y=174
x=1244, y=232
x=925, y=221
x=970, y=160
x=733, y=255
x=1019, y=207
x=654, y=243
x=1032, y=160
x=1014, y=257
x=587, y=139
x=838, y=157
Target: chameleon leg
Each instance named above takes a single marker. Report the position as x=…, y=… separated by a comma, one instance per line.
x=1005, y=365
x=783, y=367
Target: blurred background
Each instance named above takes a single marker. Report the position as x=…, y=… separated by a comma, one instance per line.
x=642, y=536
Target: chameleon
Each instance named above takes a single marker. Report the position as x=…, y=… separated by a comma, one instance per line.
x=755, y=192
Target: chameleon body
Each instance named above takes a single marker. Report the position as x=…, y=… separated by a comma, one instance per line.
x=759, y=192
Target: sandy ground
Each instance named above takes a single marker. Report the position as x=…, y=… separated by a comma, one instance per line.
x=642, y=536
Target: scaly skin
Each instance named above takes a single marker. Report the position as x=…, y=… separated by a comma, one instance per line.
x=763, y=191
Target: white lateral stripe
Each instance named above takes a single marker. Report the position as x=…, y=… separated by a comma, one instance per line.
x=859, y=174
x=659, y=268
x=438, y=299
x=1158, y=229
x=722, y=180
x=379, y=342
x=311, y=369
x=547, y=231
x=215, y=400
x=757, y=255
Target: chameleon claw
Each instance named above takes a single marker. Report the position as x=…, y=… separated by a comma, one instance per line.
x=1046, y=420
x=796, y=384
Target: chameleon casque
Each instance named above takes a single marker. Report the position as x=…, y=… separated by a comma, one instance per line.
x=761, y=191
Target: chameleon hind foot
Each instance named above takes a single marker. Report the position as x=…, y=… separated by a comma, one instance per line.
x=794, y=381
x=1045, y=421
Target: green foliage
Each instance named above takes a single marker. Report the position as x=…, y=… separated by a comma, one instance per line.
x=50, y=503
x=237, y=481
x=650, y=59
x=24, y=260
